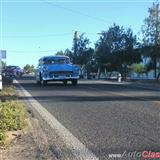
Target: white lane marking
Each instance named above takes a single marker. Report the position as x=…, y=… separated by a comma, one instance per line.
x=79, y=150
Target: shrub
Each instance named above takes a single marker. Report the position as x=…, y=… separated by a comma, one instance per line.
x=8, y=91
x=2, y=137
x=138, y=68
x=12, y=117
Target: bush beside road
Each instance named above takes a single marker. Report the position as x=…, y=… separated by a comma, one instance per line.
x=21, y=136
x=12, y=113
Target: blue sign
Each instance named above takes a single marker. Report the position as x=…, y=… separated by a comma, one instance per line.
x=2, y=54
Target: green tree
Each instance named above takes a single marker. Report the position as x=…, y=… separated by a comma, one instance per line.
x=151, y=34
x=28, y=68
x=116, y=49
x=68, y=53
x=139, y=68
x=81, y=52
x=60, y=53
x=110, y=42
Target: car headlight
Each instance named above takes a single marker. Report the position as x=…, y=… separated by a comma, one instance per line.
x=45, y=68
x=45, y=71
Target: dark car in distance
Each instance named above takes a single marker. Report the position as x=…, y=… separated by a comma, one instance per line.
x=12, y=71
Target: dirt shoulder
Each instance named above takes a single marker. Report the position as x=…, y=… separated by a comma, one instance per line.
x=22, y=147
x=30, y=143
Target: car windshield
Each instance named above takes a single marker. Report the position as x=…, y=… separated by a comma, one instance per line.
x=63, y=60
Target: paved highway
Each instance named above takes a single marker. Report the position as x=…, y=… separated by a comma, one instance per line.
x=106, y=117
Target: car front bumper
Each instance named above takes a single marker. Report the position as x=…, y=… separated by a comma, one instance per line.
x=59, y=78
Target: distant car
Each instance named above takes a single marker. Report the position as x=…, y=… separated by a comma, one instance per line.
x=12, y=71
x=56, y=68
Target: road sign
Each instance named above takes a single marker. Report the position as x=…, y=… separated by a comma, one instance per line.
x=2, y=54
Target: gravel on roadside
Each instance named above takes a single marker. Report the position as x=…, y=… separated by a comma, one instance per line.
x=30, y=145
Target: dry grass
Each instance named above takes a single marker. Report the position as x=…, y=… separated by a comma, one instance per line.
x=12, y=113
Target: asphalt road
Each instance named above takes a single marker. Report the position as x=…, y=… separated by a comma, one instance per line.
x=106, y=117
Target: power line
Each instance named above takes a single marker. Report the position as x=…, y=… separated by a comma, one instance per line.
x=74, y=11
x=37, y=36
x=43, y=36
x=24, y=51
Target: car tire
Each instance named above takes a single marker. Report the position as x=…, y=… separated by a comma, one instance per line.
x=65, y=82
x=20, y=74
x=38, y=82
x=74, y=82
x=43, y=82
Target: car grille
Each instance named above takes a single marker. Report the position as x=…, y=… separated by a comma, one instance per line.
x=61, y=73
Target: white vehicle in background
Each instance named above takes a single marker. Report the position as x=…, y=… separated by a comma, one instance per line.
x=56, y=68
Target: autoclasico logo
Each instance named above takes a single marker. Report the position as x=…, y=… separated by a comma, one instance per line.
x=135, y=154
x=150, y=154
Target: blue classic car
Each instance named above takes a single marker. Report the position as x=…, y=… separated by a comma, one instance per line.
x=56, y=68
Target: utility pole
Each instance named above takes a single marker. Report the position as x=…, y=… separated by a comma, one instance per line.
x=75, y=46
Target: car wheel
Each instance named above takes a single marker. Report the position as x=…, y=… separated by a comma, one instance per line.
x=20, y=75
x=43, y=82
x=38, y=82
x=65, y=82
x=74, y=82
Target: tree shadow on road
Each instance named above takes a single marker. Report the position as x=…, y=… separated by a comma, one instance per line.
x=71, y=98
